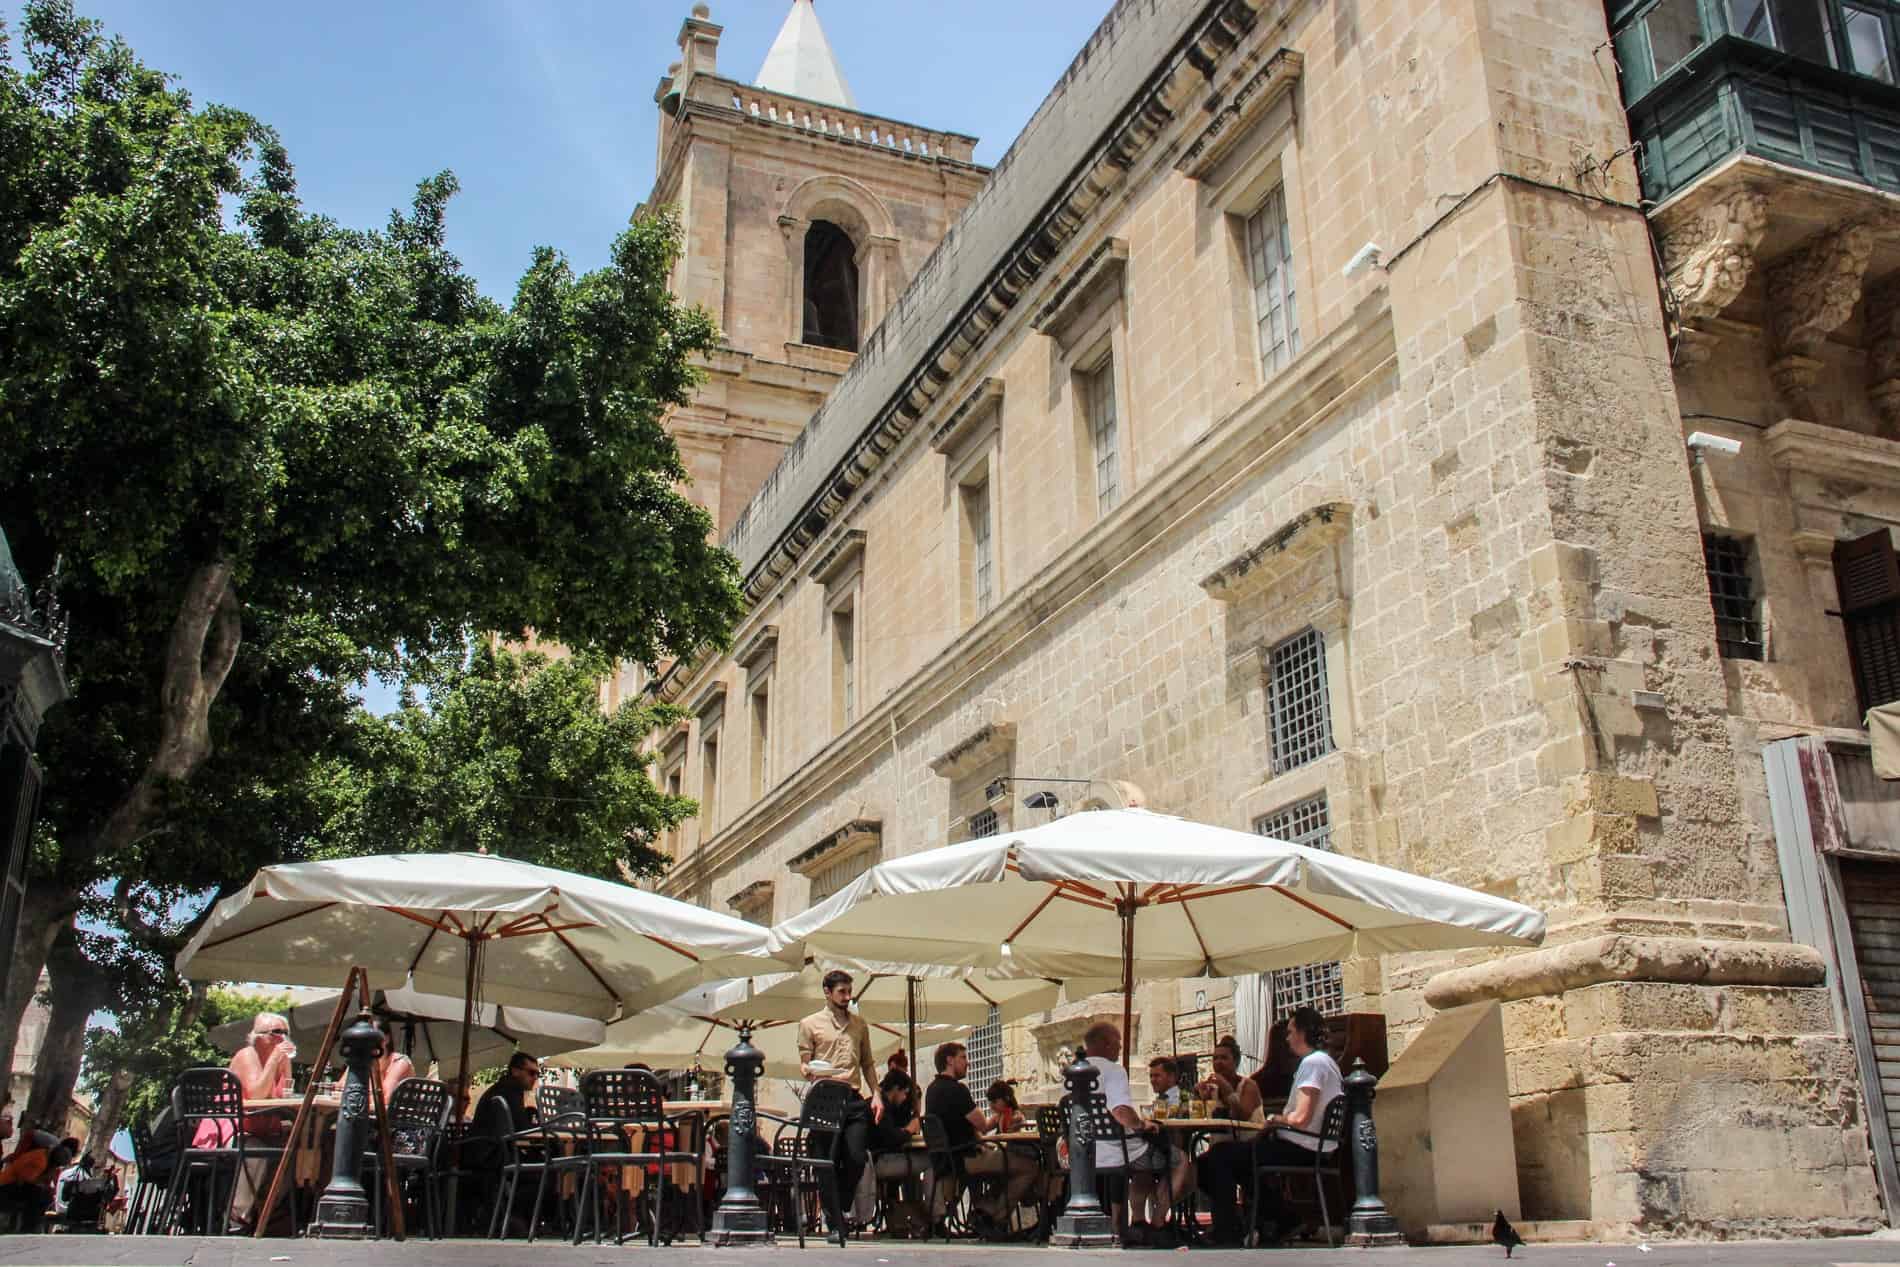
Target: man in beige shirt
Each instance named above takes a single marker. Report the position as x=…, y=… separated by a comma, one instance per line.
x=834, y=1045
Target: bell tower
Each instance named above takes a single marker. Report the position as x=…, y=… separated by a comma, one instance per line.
x=804, y=219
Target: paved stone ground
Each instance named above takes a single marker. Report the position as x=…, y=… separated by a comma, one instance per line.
x=128, y=1251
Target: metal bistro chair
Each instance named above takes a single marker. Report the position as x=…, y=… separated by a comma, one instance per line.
x=946, y=1167
x=561, y=1128
x=1108, y=1178
x=215, y=1095
x=418, y=1115
x=1052, y=1124
x=807, y=1149
x=618, y=1099
x=1326, y=1163
x=155, y=1176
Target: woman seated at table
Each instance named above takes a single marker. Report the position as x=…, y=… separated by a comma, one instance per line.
x=1004, y=1116
x=896, y=1125
x=263, y=1069
x=391, y=1065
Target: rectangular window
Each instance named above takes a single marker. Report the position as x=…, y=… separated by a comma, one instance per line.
x=1270, y=262
x=1297, y=707
x=844, y=666
x=983, y=823
x=1750, y=20
x=1306, y=822
x=674, y=787
x=1732, y=595
x=985, y=1048
x=709, y=787
x=1867, y=578
x=761, y=742
x=1866, y=39
x=982, y=572
x=1098, y=391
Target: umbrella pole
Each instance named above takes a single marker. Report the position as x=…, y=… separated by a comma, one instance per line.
x=468, y=1023
x=1128, y=979
x=910, y=1018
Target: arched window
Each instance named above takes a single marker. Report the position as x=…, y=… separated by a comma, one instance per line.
x=831, y=288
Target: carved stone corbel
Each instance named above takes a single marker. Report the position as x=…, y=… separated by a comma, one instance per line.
x=1811, y=293
x=1709, y=258
x=1883, y=353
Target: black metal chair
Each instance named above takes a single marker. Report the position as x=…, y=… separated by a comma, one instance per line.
x=1111, y=1180
x=418, y=1115
x=618, y=1102
x=558, y=1140
x=1327, y=1162
x=1052, y=1125
x=947, y=1167
x=805, y=1152
x=214, y=1094
x=155, y=1166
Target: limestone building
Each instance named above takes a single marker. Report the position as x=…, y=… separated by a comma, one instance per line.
x=1293, y=432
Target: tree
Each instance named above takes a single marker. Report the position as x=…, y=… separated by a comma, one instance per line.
x=278, y=454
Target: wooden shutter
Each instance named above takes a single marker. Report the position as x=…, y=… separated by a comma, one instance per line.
x=1872, y=891
x=1867, y=575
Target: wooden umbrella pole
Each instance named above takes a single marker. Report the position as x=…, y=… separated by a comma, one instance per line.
x=910, y=1016
x=357, y=978
x=1128, y=978
x=468, y=1023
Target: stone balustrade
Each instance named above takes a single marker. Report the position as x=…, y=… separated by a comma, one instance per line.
x=830, y=120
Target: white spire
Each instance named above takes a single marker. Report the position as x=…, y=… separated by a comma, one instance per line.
x=801, y=63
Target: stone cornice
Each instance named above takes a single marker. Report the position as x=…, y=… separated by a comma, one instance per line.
x=762, y=644
x=1330, y=372
x=1809, y=448
x=1104, y=270
x=1229, y=121
x=838, y=557
x=1285, y=548
x=1577, y=965
x=754, y=895
x=974, y=749
x=857, y=835
x=976, y=407
x=708, y=699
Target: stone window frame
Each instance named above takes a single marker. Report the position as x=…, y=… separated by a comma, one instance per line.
x=854, y=209
x=968, y=767
x=755, y=901
x=710, y=709
x=758, y=657
x=972, y=447
x=840, y=572
x=1086, y=318
x=859, y=841
x=1257, y=155
x=673, y=781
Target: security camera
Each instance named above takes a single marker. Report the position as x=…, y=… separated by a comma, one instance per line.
x=1367, y=256
x=1702, y=442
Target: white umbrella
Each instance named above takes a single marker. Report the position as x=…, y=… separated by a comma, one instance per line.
x=431, y=1025
x=684, y=1034
x=484, y=928
x=1129, y=893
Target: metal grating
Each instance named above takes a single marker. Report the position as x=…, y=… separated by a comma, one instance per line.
x=986, y=1055
x=1099, y=389
x=1270, y=263
x=1307, y=822
x=1298, y=712
x=983, y=823
x=1732, y=595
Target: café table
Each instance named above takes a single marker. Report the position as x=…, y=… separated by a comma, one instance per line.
x=311, y=1159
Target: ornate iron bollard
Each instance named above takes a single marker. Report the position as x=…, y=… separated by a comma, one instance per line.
x=1370, y=1224
x=343, y=1209
x=1083, y=1224
x=740, y=1220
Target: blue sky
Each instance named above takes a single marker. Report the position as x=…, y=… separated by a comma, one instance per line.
x=544, y=108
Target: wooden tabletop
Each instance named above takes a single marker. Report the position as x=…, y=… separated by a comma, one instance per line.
x=1007, y=1137
x=1206, y=1124
x=328, y=1103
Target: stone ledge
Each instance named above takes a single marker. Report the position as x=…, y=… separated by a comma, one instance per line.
x=1598, y=960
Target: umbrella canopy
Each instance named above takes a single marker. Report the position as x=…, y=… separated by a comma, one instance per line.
x=473, y=926
x=429, y=1029
x=885, y=992
x=1127, y=893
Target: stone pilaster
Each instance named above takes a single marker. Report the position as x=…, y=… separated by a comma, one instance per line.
x=1811, y=293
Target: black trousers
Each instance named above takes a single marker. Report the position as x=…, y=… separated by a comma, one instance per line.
x=1226, y=1170
x=854, y=1153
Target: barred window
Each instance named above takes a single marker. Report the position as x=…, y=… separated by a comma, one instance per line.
x=1316, y=985
x=1270, y=264
x=983, y=823
x=1304, y=822
x=1732, y=594
x=1098, y=388
x=1297, y=707
x=986, y=1054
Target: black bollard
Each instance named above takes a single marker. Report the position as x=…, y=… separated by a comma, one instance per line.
x=740, y=1220
x=1083, y=1224
x=343, y=1209
x=1370, y=1225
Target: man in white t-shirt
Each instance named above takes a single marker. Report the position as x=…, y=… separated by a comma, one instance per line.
x=1146, y=1153
x=1226, y=1168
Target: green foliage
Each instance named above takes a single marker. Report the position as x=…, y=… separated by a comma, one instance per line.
x=195, y=371
x=513, y=755
x=158, y=1043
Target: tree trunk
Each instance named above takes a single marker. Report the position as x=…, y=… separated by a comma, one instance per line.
x=106, y=1116
x=77, y=992
x=45, y=911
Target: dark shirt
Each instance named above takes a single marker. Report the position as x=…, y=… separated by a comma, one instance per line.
x=951, y=1102
x=515, y=1096
x=887, y=1134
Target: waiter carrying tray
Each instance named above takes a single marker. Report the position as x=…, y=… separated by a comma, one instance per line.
x=834, y=1045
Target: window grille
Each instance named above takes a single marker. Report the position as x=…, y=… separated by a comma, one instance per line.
x=1732, y=594
x=986, y=1055
x=1300, y=717
x=1270, y=261
x=983, y=823
x=1318, y=985
x=833, y=876
x=1306, y=822
x=1099, y=395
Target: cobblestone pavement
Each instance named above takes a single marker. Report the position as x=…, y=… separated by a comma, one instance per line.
x=125, y=1251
